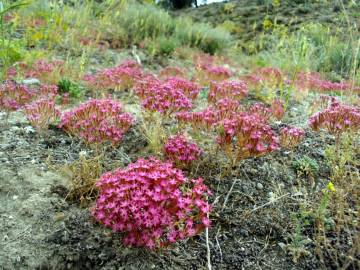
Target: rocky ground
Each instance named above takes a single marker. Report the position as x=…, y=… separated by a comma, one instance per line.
x=41, y=230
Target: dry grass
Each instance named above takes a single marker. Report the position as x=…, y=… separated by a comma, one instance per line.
x=82, y=175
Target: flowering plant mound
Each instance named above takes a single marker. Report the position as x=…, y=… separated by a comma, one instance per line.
x=264, y=77
x=246, y=135
x=180, y=151
x=14, y=96
x=336, y=119
x=277, y=109
x=290, y=137
x=261, y=110
x=252, y=80
x=188, y=88
x=41, y=113
x=171, y=72
x=207, y=73
x=226, y=108
x=204, y=119
x=152, y=203
x=161, y=96
x=120, y=77
x=46, y=91
x=313, y=81
x=271, y=77
x=41, y=69
x=97, y=121
x=209, y=117
x=227, y=89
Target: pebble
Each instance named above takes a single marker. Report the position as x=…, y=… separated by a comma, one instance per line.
x=31, y=81
x=244, y=232
x=15, y=129
x=259, y=186
x=29, y=129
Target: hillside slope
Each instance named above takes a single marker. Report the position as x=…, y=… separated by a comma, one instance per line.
x=250, y=17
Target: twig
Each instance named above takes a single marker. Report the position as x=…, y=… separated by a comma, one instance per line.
x=217, y=243
x=228, y=195
x=208, y=254
x=268, y=203
x=21, y=234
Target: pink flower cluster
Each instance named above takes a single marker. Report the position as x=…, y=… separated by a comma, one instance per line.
x=188, y=88
x=41, y=113
x=277, y=109
x=227, y=89
x=97, y=121
x=208, y=118
x=41, y=69
x=171, y=72
x=261, y=110
x=120, y=77
x=180, y=151
x=246, y=135
x=204, y=119
x=336, y=119
x=226, y=108
x=46, y=91
x=290, y=137
x=313, y=81
x=14, y=96
x=270, y=76
x=264, y=77
x=164, y=97
x=208, y=73
x=152, y=203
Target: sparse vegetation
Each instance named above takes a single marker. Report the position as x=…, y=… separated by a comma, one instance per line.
x=134, y=136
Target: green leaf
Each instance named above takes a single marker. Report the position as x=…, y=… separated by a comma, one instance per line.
x=3, y=10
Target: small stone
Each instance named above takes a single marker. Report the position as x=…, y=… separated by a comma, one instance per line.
x=59, y=216
x=244, y=232
x=253, y=171
x=259, y=186
x=15, y=129
x=31, y=81
x=29, y=129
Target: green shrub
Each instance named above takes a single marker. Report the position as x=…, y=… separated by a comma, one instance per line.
x=167, y=45
x=145, y=21
x=306, y=166
x=313, y=47
x=202, y=36
x=67, y=86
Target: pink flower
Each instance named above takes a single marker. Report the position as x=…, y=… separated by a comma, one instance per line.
x=336, y=119
x=151, y=215
x=182, y=152
x=97, y=121
x=120, y=77
x=291, y=136
x=41, y=113
x=234, y=90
